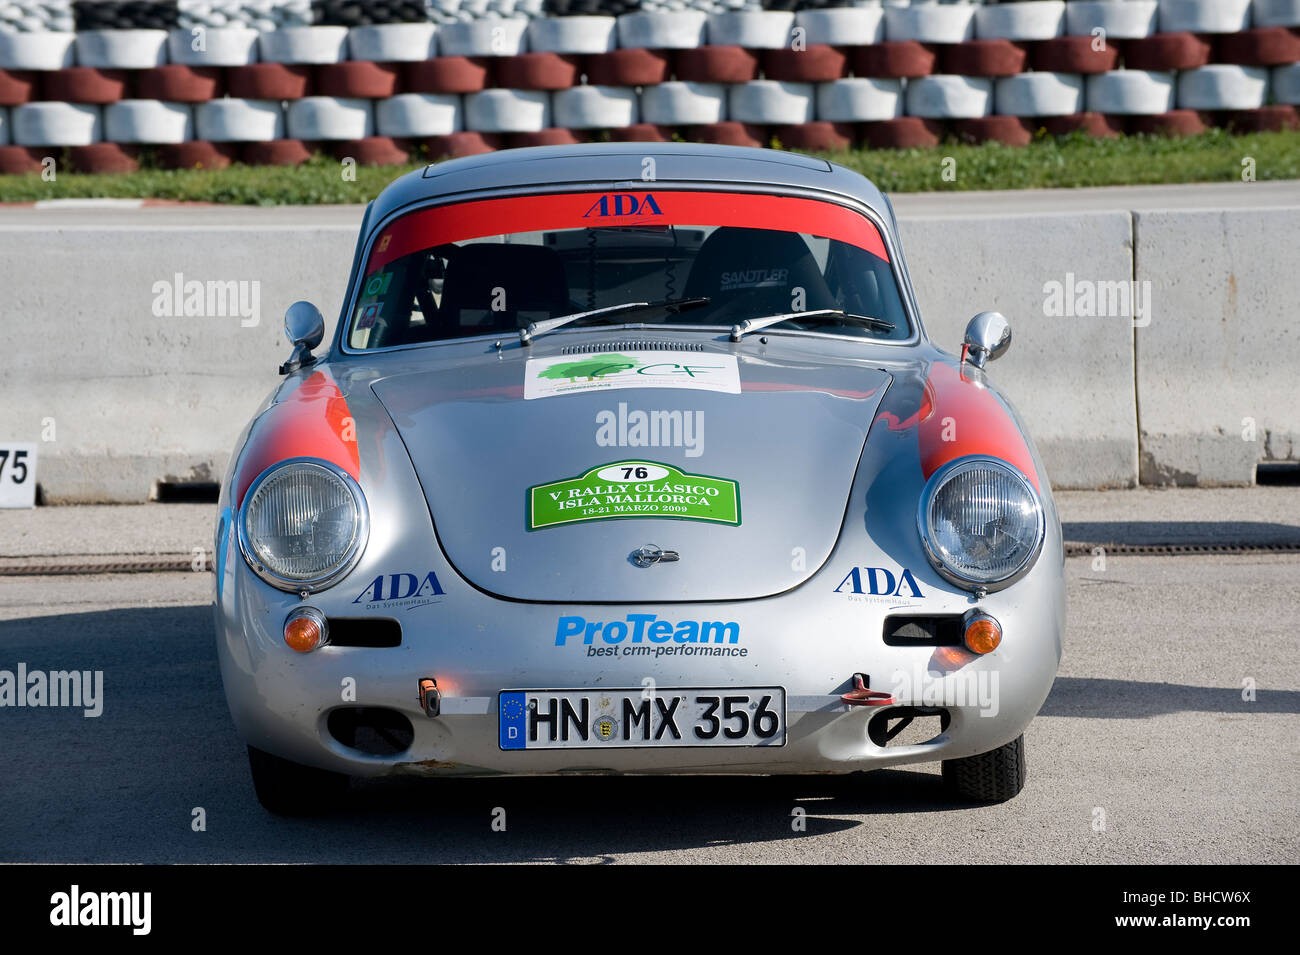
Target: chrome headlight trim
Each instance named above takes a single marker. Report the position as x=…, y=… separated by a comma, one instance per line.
x=350, y=559
x=932, y=488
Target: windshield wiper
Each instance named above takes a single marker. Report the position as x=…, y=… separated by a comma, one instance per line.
x=820, y=314
x=534, y=329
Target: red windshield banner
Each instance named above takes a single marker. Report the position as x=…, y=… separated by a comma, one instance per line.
x=461, y=221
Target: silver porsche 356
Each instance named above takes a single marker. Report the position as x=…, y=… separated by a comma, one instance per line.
x=634, y=459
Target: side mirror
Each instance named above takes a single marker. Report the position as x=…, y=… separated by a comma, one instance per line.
x=304, y=326
x=988, y=336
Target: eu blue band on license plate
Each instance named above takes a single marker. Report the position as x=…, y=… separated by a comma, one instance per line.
x=641, y=718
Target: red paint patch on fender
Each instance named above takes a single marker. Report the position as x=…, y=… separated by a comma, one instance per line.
x=979, y=424
x=313, y=422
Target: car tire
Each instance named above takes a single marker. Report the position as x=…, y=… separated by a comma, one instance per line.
x=276, y=152
x=314, y=45
x=642, y=133
x=595, y=107
x=1009, y=130
x=727, y=133
x=448, y=74
x=992, y=57
x=197, y=154
x=86, y=84
x=1276, y=13
x=1039, y=94
x=663, y=29
x=1036, y=20
x=995, y=776
x=1099, y=125
x=1205, y=16
x=393, y=42
x=508, y=111
x=570, y=35
x=1167, y=51
x=680, y=103
x=1266, y=46
x=1267, y=119
x=36, y=51
x=817, y=136
x=636, y=66
x=176, y=83
x=222, y=46
x=356, y=79
x=930, y=23
x=18, y=87
x=464, y=143
x=769, y=102
x=903, y=132
x=842, y=26
x=715, y=64
x=122, y=49
x=1130, y=20
x=752, y=29
x=859, y=99
x=109, y=158
x=269, y=81
x=20, y=160
x=148, y=121
x=1129, y=92
x=290, y=789
x=944, y=96
x=551, y=136
x=1223, y=86
x=237, y=120
x=1285, y=81
x=538, y=71
x=1172, y=125
x=818, y=63
x=904, y=59
x=504, y=37
x=56, y=124
x=1075, y=54
x=419, y=115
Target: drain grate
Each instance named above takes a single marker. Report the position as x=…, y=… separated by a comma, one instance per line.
x=631, y=345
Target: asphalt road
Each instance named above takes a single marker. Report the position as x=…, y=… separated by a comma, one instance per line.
x=1146, y=723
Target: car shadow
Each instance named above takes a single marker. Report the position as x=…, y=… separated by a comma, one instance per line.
x=129, y=785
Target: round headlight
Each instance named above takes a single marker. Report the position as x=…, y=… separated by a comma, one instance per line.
x=981, y=522
x=304, y=524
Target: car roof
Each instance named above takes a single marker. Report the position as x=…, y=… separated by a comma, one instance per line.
x=623, y=166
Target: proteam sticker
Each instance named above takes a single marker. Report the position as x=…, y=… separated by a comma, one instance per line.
x=607, y=371
x=634, y=489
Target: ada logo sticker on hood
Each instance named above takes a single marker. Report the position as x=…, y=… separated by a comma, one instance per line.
x=634, y=489
x=605, y=371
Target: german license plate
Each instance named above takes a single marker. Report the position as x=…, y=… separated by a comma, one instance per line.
x=641, y=717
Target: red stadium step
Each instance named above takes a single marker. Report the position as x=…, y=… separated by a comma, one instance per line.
x=268, y=81
x=18, y=87
x=715, y=64
x=538, y=71
x=729, y=133
x=629, y=67
x=449, y=74
x=1008, y=130
x=896, y=60
x=906, y=132
x=197, y=154
x=552, y=136
x=276, y=152
x=1267, y=119
x=373, y=151
x=1175, y=123
x=643, y=133
x=455, y=145
x=175, y=83
x=1263, y=46
x=104, y=158
x=1100, y=125
x=1075, y=54
x=984, y=58
x=1167, y=51
x=86, y=84
x=17, y=160
x=357, y=79
x=815, y=64
x=818, y=136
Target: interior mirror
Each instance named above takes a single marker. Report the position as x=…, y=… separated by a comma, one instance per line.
x=988, y=336
x=304, y=326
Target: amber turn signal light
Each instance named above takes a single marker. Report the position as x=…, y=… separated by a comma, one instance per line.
x=982, y=633
x=305, y=630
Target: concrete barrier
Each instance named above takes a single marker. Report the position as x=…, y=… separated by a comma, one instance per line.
x=1217, y=382
x=1070, y=375
x=120, y=397
x=123, y=386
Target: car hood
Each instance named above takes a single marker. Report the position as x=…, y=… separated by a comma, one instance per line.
x=496, y=467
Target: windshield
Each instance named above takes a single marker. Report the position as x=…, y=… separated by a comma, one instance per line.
x=495, y=266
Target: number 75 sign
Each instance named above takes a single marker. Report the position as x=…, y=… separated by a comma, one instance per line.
x=17, y=474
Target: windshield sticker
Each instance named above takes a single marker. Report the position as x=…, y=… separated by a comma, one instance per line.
x=634, y=489
x=606, y=371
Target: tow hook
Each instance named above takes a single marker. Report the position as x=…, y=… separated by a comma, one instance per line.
x=861, y=695
x=430, y=698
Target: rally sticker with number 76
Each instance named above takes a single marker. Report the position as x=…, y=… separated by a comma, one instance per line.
x=634, y=489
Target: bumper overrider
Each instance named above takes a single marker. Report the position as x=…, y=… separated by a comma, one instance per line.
x=364, y=711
